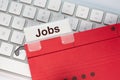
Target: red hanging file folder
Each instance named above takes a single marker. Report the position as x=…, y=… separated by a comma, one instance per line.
x=89, y=55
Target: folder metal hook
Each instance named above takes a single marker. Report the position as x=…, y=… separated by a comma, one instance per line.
x=18, y=50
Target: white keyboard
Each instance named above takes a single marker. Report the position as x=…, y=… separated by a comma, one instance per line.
x=17, y=14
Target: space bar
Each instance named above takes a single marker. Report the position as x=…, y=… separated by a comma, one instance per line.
x=14, y=66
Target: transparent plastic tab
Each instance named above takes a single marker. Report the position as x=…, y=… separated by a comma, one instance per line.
x=34, y=46
x=68, y=38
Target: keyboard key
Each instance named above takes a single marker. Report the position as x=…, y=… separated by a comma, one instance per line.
x=26, y=1
x=6, y=49
x=21, y=56
x=18, y=23
x=54, y=5
x=17, y=37
x=85, y=25
x=68, y=8
x=73, y=23
x=82, y=12
x=110, y=18
x=40, y=3
x=29, y=12
x=57, y=16
x=4, y=5
x=15, y=67
x=43, y=15
x=4, y=33
x=98, y=25
x=5, y=19
x=32, y=23
x=96, y=15
x=15, y=8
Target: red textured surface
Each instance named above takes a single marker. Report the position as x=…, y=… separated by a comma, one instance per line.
x=95, y=51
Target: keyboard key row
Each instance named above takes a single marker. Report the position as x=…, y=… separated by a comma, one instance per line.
x=17, y=23
x=82, y=12
x=67, y=8
x=96, y=15
x=17, y=37
x=21, y=68
x=44, y=15
x=7, y=48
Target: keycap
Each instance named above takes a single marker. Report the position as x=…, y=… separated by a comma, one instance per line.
x=110, y=18
x=30, y=23
x=85, y=25
x=82, y=12
x=5, y=19
x=17, y=37
x=73, y=23
x=43, y=15
x=4, y=76
x=4, y=5
x=96, y=25
x=57, y=16
x=18, y=23
x=4, y=33
x=6, y=49
x=29, y=12
x=40, y=3
x=26, y=1
x=21, y=56
x=96, y=15
x=54, y=5
x=15, y=8
x=68, y=8
x=9, y=65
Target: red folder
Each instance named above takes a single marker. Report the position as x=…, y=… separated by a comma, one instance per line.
x=89, y=55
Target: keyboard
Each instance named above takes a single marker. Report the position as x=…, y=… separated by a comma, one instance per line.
x=15, y=15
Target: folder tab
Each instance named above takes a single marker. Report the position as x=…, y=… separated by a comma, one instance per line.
x=48, y=30
x=34, y=46
x=66, y=39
